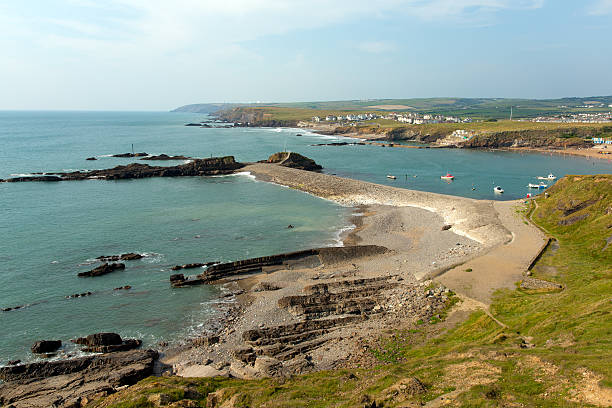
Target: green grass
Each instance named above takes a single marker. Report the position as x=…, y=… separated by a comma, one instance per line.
x=571, y=330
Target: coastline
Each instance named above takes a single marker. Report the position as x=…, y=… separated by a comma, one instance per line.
x=324, y=312
x=380, y=140
x=419, y=245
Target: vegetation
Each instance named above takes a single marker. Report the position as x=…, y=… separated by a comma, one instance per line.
x=555, y=351
x=478, y=108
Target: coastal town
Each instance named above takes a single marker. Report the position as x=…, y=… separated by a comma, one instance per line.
x=410, y=118
x=414, y=118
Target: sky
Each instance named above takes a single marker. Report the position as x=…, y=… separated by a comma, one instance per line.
x=160, y=54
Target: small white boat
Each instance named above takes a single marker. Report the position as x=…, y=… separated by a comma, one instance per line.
x=391, y=177
x=448, y=176
x=549, y=177
x=498, y=190
x=541, y=185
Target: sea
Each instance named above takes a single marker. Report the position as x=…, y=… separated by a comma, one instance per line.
x=49, y=232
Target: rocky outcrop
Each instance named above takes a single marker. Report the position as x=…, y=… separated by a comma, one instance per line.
x=73, y=383
x=46, y=346
x=102, y=270
x=294, y=160
x=123, y=257
x=309, y=257
x=198, y=167
x=79, y=295
x=166, y=157
x=142, y=154
x=91, y=158
x=31, y=178
x=106, y=343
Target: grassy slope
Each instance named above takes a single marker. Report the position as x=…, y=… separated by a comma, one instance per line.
x=478, y=362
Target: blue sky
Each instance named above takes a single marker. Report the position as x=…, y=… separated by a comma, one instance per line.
x=159, y=54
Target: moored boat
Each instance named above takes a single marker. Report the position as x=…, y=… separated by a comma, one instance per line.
x=391, y=177
x=448, y=176
x=498, y=190
x=541, y=185
x=549, y=177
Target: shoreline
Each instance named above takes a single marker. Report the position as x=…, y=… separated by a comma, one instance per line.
x=379, y=140
x=322, y=312
x=419, y=246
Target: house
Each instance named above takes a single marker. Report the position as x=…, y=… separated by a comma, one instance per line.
x=316, y=119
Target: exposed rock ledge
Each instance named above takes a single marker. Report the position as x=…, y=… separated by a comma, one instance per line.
x=475, y=219
x=73, y=383
x=198, y=167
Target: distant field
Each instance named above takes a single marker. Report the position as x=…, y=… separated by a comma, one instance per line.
x=477, y=108
x=294, y=115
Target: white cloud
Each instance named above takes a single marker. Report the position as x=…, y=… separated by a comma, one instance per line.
x=600, y=8
x=175, y=47
x=376, y=47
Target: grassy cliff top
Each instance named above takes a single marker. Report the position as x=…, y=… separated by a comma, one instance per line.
x=555, y=351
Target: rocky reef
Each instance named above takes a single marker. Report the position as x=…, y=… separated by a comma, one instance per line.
x=308, y=258
x=198, y=167
x=294, y=160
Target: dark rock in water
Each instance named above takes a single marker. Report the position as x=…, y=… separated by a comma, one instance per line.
x=131, y=257
x=294, y=160
x=103, y=270
x=193, y=124
x=14, y=362
x=8, y=309
x=123, y=257
x=106, y=343
x=166, y=157
x=188, y=266
x=141, y=154
x=46, y=346
x=91, y=158
x=127, y=344
x=178, y=280
x=177, y=277
x=126, y=287
x=197, y=167
x=78, y=295
x=73, y=383
x=290, y=226
x=33, y=178
x=101, y=339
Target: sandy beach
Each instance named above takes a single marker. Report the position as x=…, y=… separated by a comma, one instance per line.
x=321, y=313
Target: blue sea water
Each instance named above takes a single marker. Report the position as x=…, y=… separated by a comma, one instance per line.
x=51, y=231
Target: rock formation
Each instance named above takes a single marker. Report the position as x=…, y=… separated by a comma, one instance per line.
x=166, y=157
x=46, y=346
x=294, y=160
x=73, y=383
x=102, y=270
x=106, y=343
x=198, y=167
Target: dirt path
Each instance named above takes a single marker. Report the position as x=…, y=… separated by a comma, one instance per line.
x=504, y=265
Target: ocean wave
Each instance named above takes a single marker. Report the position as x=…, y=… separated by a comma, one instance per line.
x=338, y=236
